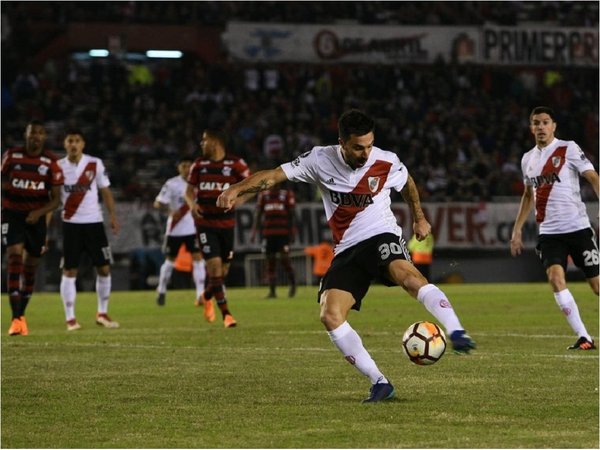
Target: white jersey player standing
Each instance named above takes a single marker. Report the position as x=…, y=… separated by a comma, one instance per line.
x=83, y=226
x=181, y=230
x=355, y=179
x=551, y=172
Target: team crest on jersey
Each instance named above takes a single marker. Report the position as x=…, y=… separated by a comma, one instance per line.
x=226, y=171
x=556, y=161
x=373, y=183
x=90, y=174
x=43, y=170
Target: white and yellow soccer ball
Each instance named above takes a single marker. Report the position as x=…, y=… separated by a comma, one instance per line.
x=424, y=343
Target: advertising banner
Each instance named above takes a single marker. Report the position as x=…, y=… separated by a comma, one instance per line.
x=485, y=226
x=396, y=44
x=261, y=42
x=539, y=46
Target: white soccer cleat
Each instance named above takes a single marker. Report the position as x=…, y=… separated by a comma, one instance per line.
x=73, y=325
x=105, y=321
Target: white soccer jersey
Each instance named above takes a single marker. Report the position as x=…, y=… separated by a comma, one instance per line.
x=173, y=194
x=79, y=194
x=554, y=174
x=357, y=202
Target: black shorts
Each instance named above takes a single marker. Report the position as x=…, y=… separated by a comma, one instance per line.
x=16, y=231
x=90, y=238
x=581, y=245
x=173, y=243
x=276, y=244
x=216, y=242
x=355, y=268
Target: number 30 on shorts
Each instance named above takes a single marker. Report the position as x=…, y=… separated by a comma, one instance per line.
x=385, y=250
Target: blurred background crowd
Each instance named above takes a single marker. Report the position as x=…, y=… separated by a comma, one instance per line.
x=461, y=129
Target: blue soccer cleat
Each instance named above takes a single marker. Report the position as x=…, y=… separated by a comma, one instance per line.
x=462, y=342
x=379, y=392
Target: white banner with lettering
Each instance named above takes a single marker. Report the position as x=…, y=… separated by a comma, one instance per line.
x=345, y=43
x=555, y=46
x=393, y=44
x=485, y=226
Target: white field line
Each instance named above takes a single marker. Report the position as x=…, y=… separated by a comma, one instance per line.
x=478, y=353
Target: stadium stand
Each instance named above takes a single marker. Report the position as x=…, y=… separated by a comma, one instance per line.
x=454, y=125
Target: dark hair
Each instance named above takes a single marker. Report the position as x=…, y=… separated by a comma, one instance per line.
x=354, y=122
x=184, y=159
x=218, y=134
x=35, y=122
x=543, y=110
x=74, y=131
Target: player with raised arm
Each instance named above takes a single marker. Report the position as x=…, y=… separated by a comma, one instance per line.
x=551, y=172
x=31, y=181
x=210, y=175
x=274, y=219
x=180, y=231
x=355, y=179
x=83, y=227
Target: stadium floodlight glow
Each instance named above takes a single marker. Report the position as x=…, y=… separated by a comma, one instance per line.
x=164, y=54
x=98, y=53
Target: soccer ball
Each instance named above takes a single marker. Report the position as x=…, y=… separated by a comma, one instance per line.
x=424, y=343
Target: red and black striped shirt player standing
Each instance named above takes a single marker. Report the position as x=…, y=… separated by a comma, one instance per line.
x=31, y=182
x=210, y=175
x=274, y=217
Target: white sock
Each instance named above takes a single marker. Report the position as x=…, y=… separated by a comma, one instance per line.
x=349, y=343
x=166, y=270
x=68, y=292
x=567, y=305
x=436, y=302
x=103, y=285
x=199, y=274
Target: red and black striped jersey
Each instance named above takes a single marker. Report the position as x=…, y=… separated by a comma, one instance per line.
x=277, y=206
x=27, y=180
x=210, y=178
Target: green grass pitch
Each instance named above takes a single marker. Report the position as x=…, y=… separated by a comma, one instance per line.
x=168, y=379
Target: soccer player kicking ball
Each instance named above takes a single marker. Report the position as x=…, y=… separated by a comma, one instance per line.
x=551, y=172
x=355, y=179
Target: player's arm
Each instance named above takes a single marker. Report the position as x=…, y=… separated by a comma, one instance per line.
x=54, y=202
x=410, y=194
x=592, y=177
x=516, y=240
x=190, y=199
x=109, y=201
x=241, y=192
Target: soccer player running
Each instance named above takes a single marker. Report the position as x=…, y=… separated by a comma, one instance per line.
x=83, y=226
x=551, y=172
x=209, y=175
x=181, y=230
x=274, y=217
x=355, y=179
x=31, y=180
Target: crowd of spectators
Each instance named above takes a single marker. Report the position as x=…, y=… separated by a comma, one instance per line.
x=461, y=129
x=218, y=13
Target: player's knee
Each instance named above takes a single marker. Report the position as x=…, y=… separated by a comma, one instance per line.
x=556, y=278
x=333, y=311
